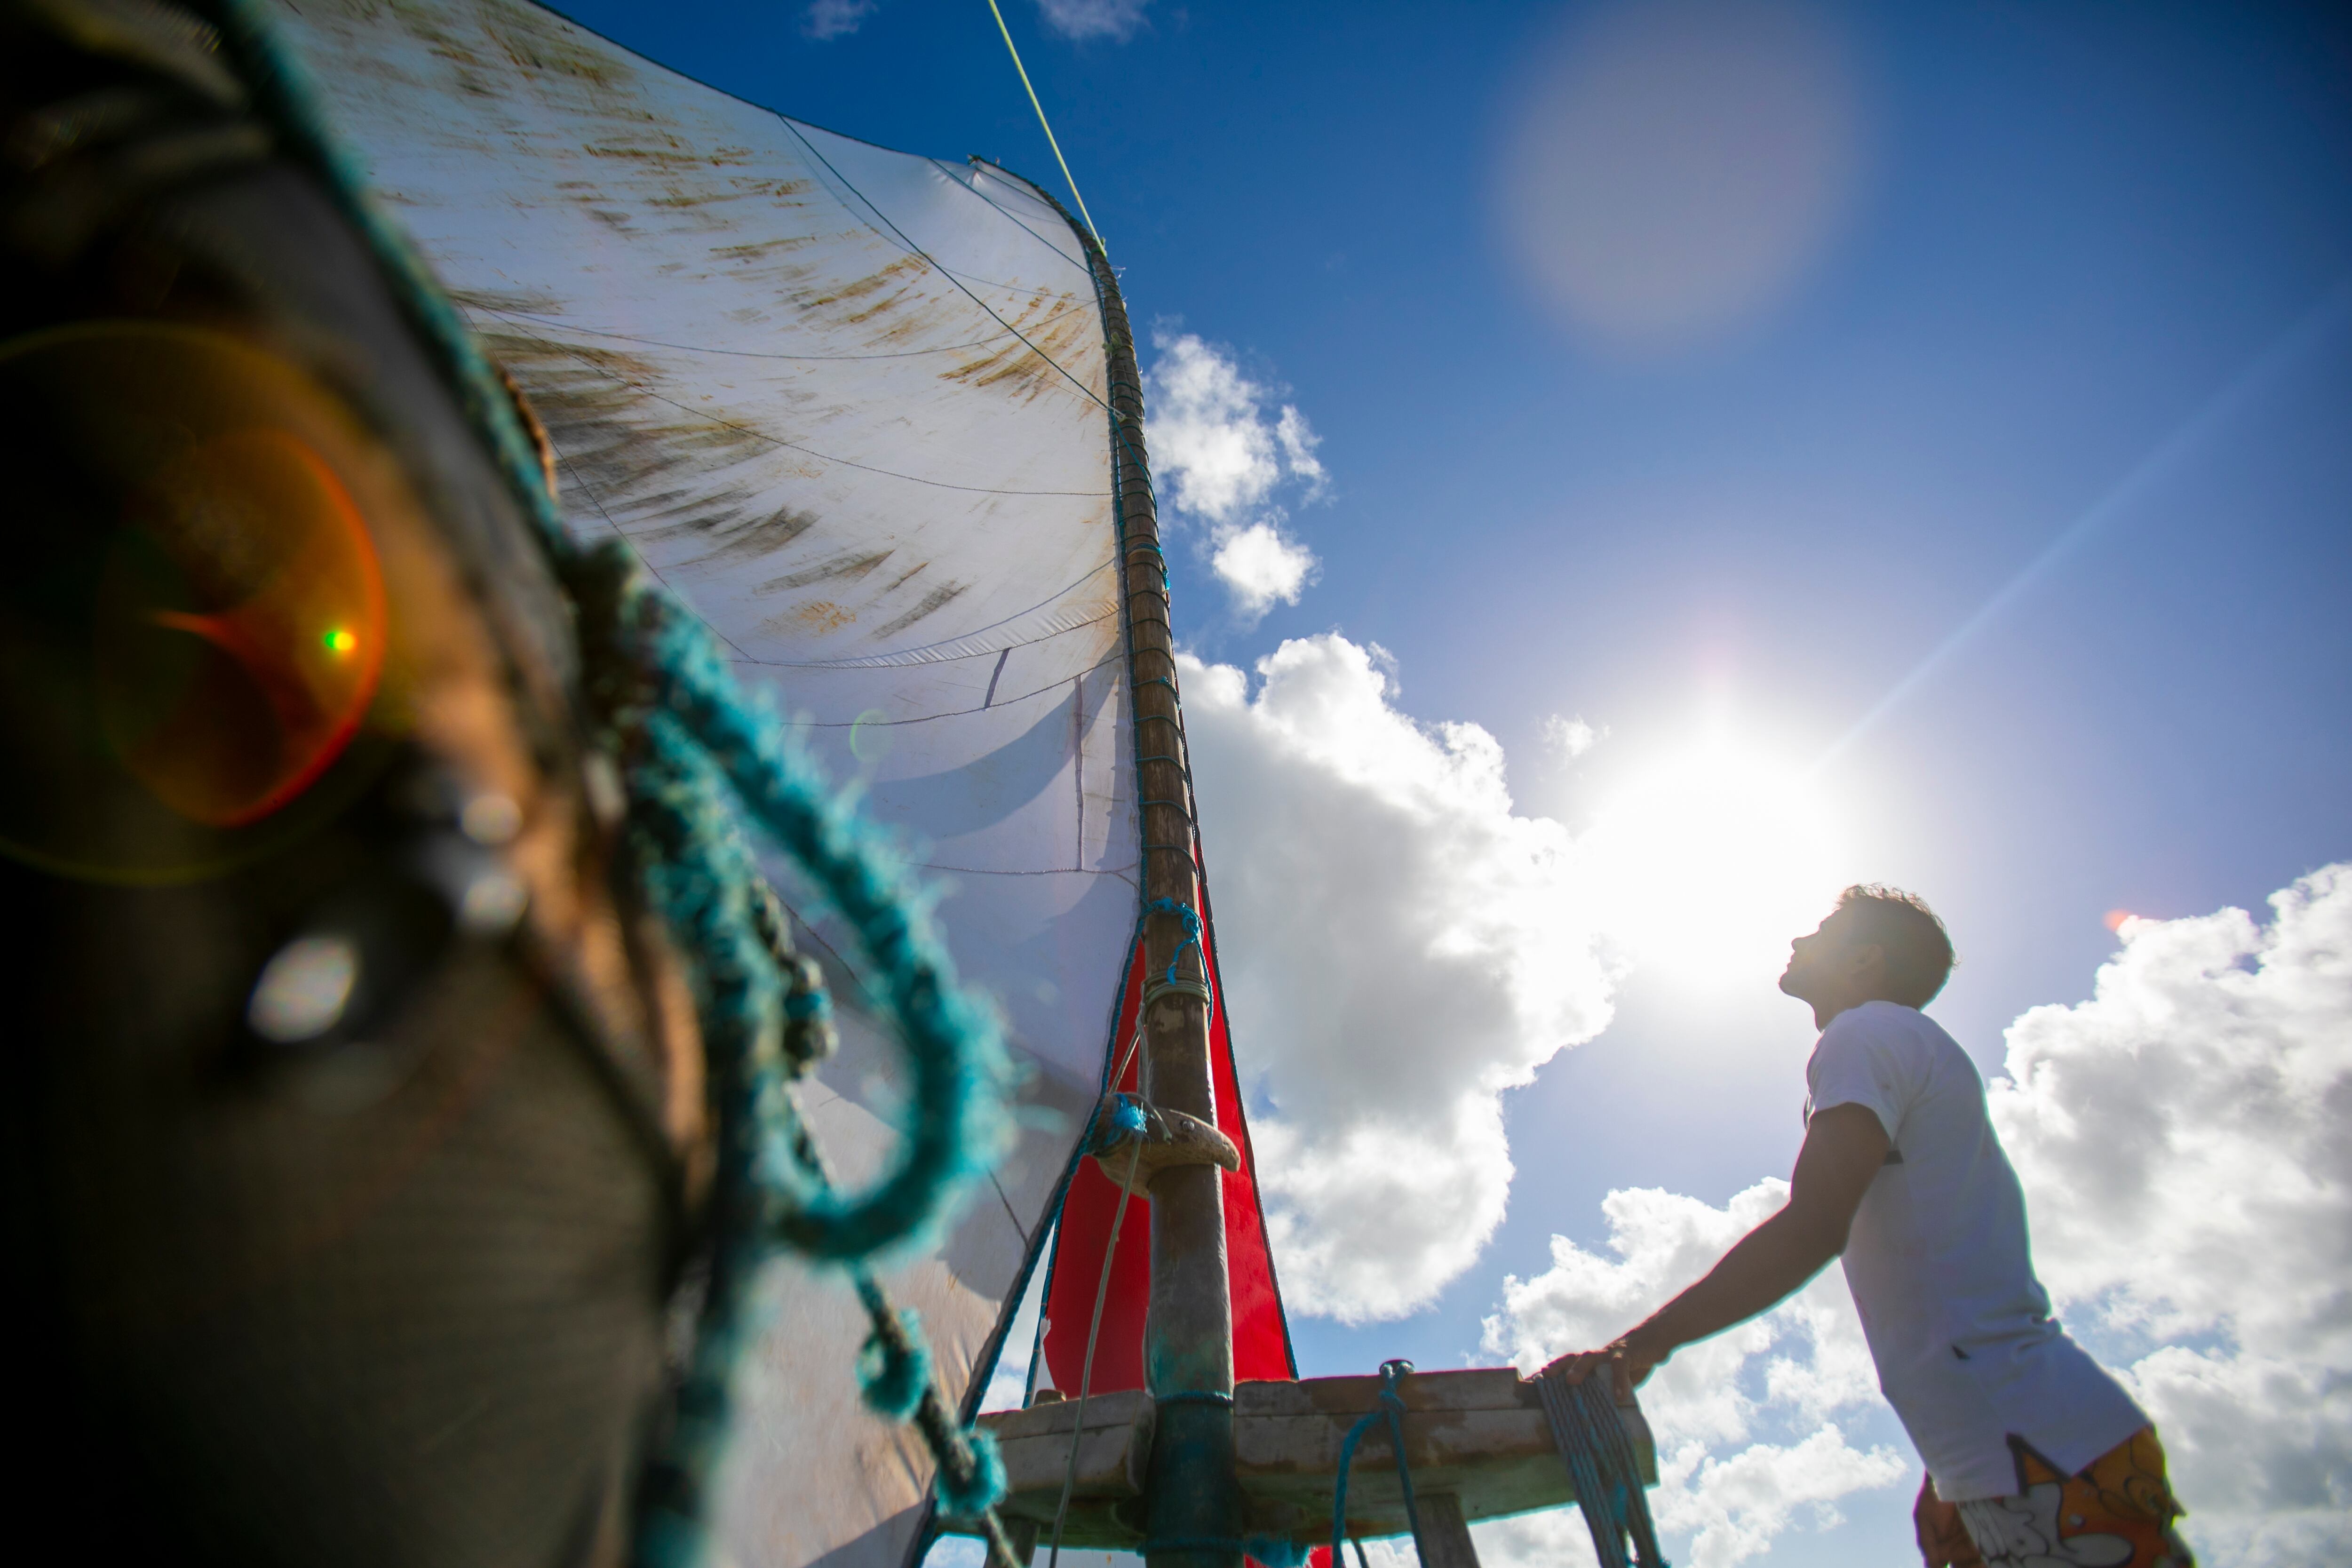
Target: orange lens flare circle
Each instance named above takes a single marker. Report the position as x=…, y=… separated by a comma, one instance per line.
x=196, y=626
x=240, y=629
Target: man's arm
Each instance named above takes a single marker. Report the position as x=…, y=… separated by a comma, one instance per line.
x=1844, y=1147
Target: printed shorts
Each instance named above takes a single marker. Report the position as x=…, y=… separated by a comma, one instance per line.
x=2117, y=1513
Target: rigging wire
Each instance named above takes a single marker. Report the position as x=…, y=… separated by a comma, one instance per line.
x=1041, y=121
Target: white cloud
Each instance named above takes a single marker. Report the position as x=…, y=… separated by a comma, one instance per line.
x=1223, y=449
x=1794, y=1369
x=2185, y=1140
x=1261, y=566
x=1211, y=440
x=1298, y=441
x=1572, y=738
x=1094, y=18
x=1401, y=948
x=836, y=19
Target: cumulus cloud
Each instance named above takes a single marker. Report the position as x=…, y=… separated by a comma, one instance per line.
x=1747, y=1423
x=1400, y=946
x=1094, y=18
x=2185, y=1141
x=1224, y=449
x=836, y=19
x=1260, y=565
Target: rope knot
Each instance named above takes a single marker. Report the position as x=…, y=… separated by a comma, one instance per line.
x=980, y=1484
x=893, y=1367
x=1173, y=981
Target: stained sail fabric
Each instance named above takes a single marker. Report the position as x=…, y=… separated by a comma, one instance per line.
x=849, y=402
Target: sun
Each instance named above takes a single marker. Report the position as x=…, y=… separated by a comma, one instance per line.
x=1711, y=857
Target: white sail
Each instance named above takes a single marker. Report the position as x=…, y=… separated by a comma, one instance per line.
x=849, y=402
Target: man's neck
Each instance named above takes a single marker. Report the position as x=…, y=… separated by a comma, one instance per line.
x=1825, y=1011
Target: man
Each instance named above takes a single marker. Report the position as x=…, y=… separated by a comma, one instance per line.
x=2035, y=1456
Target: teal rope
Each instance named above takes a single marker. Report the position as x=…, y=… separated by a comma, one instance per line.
x=1601, y=1465
x=699, y=874
x=895, y=1370
x=1390, y=1408
x=951, y=1042
x=1191, y=920
x=697, y=757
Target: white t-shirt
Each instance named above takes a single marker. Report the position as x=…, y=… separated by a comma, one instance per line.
x=1941, y=1270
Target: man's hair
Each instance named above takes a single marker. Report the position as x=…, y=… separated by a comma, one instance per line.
x=1918, y=949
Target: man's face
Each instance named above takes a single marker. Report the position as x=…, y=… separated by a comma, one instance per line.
x=1813, y=959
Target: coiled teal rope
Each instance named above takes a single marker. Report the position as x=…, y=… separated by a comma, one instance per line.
x=770, y=1192
x=1601, y=1463
x=696, y=757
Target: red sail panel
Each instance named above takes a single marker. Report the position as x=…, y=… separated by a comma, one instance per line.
x=1261, y=1337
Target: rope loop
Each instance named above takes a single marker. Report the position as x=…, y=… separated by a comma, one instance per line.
x=1196, y=989
x=1390, y=1407
x=955, y=1059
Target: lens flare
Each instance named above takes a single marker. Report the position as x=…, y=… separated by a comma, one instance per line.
x=196, y=626
x=208, y=687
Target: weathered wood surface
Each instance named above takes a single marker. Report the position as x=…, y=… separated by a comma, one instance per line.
x=1114, y=1457
x=1443, y=1540
x=1478, y=1437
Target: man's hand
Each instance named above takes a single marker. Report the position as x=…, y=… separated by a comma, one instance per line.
x=1845, y=1149
x=1628, y=1361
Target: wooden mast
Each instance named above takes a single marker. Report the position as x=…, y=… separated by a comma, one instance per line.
x=1164, y=1462
x=1193, y=1494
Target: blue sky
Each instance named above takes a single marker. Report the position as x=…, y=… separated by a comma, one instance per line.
x=2080, y=260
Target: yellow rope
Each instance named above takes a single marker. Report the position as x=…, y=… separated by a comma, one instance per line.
x=1040, y=108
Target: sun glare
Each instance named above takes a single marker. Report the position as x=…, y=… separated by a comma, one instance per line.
x=1712, y=858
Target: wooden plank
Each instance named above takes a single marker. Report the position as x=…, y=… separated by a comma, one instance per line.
x=1480, y=1435
x=1464, y=1389
x=1122, y=1408
x=1443, y=1539
x=1114, y=1453
x=1476, y=1436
